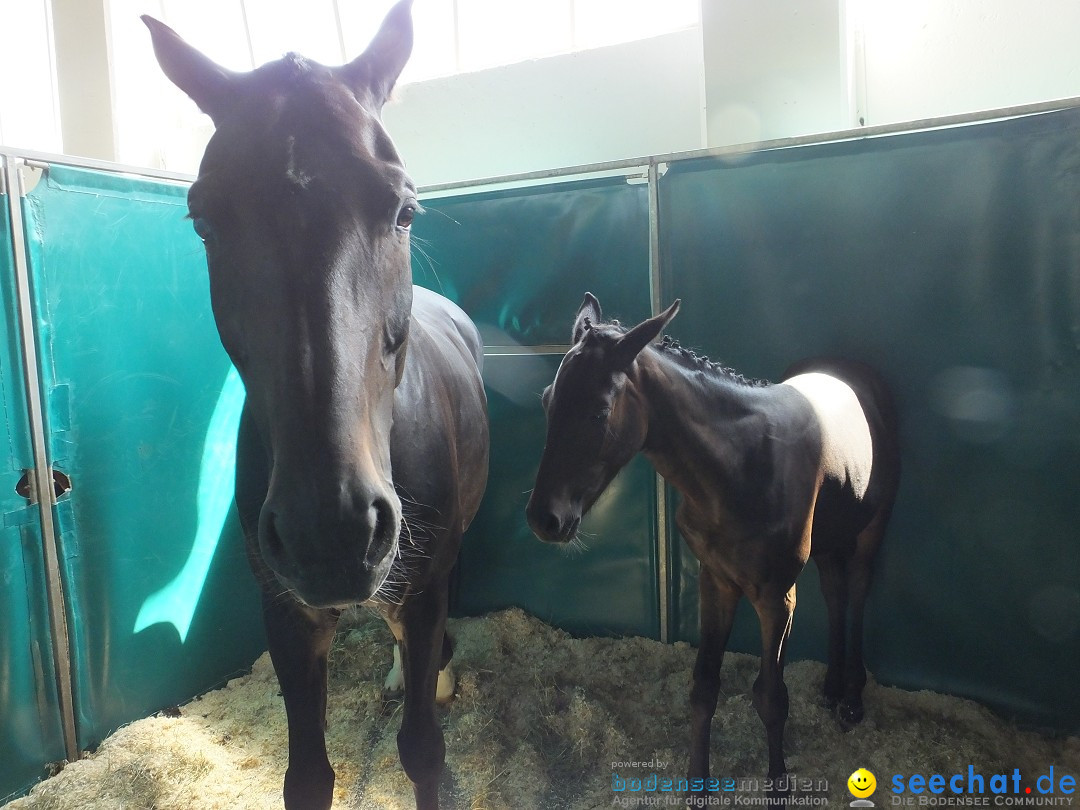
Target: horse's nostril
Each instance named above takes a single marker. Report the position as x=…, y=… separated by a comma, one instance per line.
x=383, y=531
x=574, y=523
x=551, y=523
x=547, y=525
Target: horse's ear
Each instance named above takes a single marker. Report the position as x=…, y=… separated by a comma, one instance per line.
x=588, y=315
x=630, y=345
x=209, y=85
x=373, y=74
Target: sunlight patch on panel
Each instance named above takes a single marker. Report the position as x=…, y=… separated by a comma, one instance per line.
x=175, y=603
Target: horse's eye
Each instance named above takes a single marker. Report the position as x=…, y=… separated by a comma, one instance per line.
x=406, y=215
x=202, y=228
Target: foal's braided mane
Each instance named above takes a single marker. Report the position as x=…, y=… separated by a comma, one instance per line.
x=690, y=359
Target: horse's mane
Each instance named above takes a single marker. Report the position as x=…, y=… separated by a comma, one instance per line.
x=688, y=358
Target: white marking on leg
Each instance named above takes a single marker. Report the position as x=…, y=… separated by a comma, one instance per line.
x=395, y=681
x=444, y=691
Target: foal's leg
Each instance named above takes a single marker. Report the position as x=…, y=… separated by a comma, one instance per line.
x=860, y=572
x=394, y=685
x=774, y=611
x=717, y=602
x=833, y=572
x=299, y=640
x=420, y=740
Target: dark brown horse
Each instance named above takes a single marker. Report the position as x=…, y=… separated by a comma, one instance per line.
x=363, y=445
x=769, y=475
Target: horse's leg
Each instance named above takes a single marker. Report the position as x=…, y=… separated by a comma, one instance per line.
x=860, y=573
x=833, y=573
x=774, y=609
x=420, y=740
x=718, y=598
x=299, y=640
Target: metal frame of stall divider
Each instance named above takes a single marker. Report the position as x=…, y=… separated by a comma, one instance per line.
x=19, y=167
x=20, y=172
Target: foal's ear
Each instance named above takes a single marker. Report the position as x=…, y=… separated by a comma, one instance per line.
x=373, y=74
x=209, y=85
x=630, y=345
x=588, y=315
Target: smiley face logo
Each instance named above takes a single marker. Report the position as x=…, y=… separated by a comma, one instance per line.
x=861, y=783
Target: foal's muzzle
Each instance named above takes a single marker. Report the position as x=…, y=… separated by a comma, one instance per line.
x=552, y=523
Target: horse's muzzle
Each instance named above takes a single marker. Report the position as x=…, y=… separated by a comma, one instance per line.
x=331, y=564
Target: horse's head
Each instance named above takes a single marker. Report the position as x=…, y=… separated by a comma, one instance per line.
x=305, y=208
x=596, y=419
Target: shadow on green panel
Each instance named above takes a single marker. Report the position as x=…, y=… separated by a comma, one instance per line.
x=608, y=589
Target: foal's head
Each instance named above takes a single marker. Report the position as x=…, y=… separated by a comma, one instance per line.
x=596, y=419
x=304, y=207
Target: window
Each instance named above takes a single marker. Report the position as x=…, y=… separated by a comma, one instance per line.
x=29, y=116
x=450, y=36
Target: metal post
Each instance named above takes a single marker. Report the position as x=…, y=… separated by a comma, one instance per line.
x=41, y=476
x=657, y=305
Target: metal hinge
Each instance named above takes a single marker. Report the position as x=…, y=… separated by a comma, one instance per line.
x=30, y=173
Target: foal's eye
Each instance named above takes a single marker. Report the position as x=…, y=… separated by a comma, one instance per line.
x=406, y=215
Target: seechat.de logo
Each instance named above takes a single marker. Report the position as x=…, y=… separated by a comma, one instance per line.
x=861, y=784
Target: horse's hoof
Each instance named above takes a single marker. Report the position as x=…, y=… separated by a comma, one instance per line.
x=309, y=789
x=778, y=798
x=849, y=715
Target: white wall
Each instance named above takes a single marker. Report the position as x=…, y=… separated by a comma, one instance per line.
x=927, y=58
x=622, y=101
x=773, y=68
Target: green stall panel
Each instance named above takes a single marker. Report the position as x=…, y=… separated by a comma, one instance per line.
x=519, y=262
x=950, y=260
x=30, y=727
x=142, y=406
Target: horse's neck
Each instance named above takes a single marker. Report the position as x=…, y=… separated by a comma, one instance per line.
x=702, y=424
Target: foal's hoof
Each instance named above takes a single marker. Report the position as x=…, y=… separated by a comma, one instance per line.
x=849, y=714
x=392, y=695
